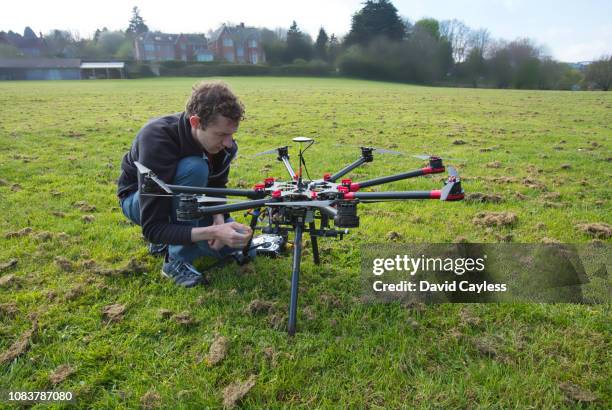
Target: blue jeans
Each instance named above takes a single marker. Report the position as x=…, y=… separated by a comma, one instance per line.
x=191, y=171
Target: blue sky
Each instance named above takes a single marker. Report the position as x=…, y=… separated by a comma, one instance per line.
x=570, y=30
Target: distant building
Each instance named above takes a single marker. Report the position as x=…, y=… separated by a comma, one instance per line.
x=58, y=69
x=157, y=46
x=237, y=44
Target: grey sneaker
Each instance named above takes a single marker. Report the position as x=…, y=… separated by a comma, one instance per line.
x=182, y=273
x=158, y=249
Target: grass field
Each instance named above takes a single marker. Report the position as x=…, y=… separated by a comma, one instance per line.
x=543, y=156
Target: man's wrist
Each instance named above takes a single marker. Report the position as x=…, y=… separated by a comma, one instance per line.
x=205, y=233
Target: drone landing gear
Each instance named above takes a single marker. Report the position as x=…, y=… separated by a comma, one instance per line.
x=295, y=279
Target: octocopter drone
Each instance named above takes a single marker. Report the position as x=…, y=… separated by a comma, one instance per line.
x=296, y=205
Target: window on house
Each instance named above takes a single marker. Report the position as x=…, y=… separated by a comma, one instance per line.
x=149, y=47
x=240, y=52
x=229, y=56
x=253, y=43
x=228, y=42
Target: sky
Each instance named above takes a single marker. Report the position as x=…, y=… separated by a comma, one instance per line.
x=570, y=31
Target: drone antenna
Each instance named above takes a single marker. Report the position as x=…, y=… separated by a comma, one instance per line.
x=301, y=140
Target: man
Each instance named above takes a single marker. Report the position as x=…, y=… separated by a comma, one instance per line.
x=193, y=148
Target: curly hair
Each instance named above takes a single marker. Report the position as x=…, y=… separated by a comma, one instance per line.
x=211, y=99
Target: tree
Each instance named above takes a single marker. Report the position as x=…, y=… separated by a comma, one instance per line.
x=137, y=24
x=58, y=42
x=334, y=49
x=298, y=44
x=321, y=44
x=376, y=18
x=428, y=26
x=458, y=34
x=599, y=73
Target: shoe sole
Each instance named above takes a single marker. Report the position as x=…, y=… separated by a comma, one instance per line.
x=165, y=275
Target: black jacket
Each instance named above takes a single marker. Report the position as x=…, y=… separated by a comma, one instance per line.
x=159, y=146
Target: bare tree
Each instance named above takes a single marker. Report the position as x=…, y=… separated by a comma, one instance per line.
x=600, y=73
x=458, y=34
x=479, y=40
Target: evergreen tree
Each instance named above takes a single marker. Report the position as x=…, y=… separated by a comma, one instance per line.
x=137, y=24
x=298, y=44
x=376, y=18
x=321, y=44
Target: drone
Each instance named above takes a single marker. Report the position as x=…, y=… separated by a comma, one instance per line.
x=295, y=206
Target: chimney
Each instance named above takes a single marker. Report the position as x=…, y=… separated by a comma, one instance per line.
x=241, y=25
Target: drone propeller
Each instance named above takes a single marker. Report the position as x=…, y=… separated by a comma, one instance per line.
x=428, y=157
x=374, y=149
x=147, y=172
x=268, y=152
x=452, y=180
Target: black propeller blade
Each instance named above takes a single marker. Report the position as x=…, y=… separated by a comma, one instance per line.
x=268, y=152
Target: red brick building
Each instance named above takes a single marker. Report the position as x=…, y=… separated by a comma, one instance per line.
x=238, y=44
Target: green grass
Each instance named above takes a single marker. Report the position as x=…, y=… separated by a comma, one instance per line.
x=62, y=143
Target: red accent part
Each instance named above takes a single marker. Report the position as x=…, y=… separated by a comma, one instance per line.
x=435, y=194
x=349, y=195
x=313, y=195
x=347, y=182
x=259, y=187
x=276, y=194
x=454, y=197
x=430, y=170
x=343, y=189
x=295, y=177
x=269, y=181
x=326, y=176
x=355, y=187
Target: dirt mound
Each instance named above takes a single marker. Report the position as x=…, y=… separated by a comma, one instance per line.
x=576, y=393
x=20, y=345
x=495, y=219
x=18, y=234
x=482, y=197
x=151, y=400
x=236, y=391
x=113, y=313
x=8, y=265
x=218, y=351
x=60, y=374
x=598, y=230
x=258, y=306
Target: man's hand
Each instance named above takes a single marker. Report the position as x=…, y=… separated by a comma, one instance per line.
x=232, y=234
x=215, y=244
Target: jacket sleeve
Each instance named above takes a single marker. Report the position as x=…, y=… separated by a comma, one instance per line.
x=155, y=212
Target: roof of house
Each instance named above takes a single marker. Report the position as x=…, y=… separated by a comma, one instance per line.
x=40, y=63
x=238, y=33
x=171, y=39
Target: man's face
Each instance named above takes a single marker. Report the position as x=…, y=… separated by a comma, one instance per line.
x=217, y=136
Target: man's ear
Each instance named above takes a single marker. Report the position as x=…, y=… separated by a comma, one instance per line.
x=194, y=121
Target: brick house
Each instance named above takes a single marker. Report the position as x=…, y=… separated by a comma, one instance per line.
x=237, y=44
x=157, y=46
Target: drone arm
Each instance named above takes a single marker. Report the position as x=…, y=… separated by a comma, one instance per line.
x=182, y=189
x=240, y=206
x=285, y=160
x=329, y=211
x=397, y=177
x=389, y=196
x=348, y=169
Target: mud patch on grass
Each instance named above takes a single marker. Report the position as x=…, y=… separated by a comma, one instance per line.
x=64, y=264
x=468, y=318
x=534, y=184
x=236, y=391
x=8, y=310
x=258, y=306
x=184, y=318
x=84, y=206
x=482, y=197
x=8, y=265
x=495, y=219
x=61, y=373
x=599, y=230
x=75, y=292
x=494, y=164
x=151, y=400
x=393, y=236
x=18, y=234
x=88, y=218
x=164, y=313
x=21, y=345
x=217, y=352
x=113, y=313
x=9, y=281
x=576, y=393
x=59, y=214
x=277, y=321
